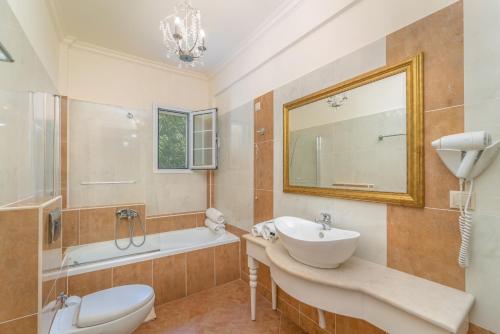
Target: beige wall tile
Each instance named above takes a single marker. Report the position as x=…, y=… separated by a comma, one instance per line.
x=97, y=224
x=83, y=284
x=438, y=178
x=71, y=227
x=169, y=278
x=200, y=270
x=309, y=326
x=440, y=37
x=309, y=311
x=264, y=118
x=474, y=329
x=48, y=291
x=243, y=246
x=263, y=165
x=200, y=219
x=135, y=273
x=425, y=243
x=289, y=311
x=19, y=288
x=263, y=205
x=227, y=263
x=282, y=295
x=64, y=150
x=347, y=325
x=171, y=223
x=264, y=292
x=27, y=325
x=264, y=276
x=210, y=189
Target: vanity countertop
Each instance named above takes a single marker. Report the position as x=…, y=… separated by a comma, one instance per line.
x=440, y=305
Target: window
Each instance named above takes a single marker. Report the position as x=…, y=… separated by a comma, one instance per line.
x=172, y=139
x=184, y=140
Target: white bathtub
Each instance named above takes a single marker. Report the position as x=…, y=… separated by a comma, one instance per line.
x=102, y=255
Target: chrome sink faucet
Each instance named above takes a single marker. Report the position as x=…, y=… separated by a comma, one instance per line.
x=325, y=221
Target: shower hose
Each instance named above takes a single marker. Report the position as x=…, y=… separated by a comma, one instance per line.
x=131, y=215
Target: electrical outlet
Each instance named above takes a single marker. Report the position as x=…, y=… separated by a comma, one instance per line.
x=257, y=106
x=455, y=200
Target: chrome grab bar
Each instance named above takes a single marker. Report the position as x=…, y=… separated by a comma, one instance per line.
x=354, y=185
x=381, y=137
x=90, y=183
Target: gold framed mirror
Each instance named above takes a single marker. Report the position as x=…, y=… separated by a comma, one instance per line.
x=361, y=139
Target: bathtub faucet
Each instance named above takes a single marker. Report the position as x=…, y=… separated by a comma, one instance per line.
x=127, y=213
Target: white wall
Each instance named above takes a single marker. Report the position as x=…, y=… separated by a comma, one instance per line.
x=99, y=75
x=313, y=34
x=377, y=97
x=125, y=83
x=482, y=112
x=36, y=21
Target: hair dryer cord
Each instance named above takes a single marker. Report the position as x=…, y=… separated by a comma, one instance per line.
x=465, y=223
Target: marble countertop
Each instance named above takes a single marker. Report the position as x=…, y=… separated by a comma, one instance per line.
x=440, y=305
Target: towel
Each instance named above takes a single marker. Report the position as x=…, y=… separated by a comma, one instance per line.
x=257, y=229
x=269, y=232
x=215, y=215
x=217, y=228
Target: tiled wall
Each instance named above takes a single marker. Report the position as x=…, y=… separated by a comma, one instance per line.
x=172, y=277
x=52, y=261
x=234, y=176
x=19, y=288
x=24, y=296
x=88, y=225
x=425, y=242
x=482, y=112
x=263, y=158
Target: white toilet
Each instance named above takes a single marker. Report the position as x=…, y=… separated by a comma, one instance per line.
x=118, y=310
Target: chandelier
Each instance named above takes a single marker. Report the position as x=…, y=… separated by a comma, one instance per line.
x=183, y=35
x=337, y=101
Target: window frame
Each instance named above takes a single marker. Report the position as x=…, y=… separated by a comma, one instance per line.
x=156, y=110
x=214, y=144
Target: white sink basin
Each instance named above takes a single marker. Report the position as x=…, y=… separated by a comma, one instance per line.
x=309, y=243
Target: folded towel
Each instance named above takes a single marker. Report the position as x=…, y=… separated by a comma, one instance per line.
x=257, y=229
x=269, y=232
x=218, y=228
x=215, y=215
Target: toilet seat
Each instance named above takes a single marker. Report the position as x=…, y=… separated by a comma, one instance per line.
x=111, y=304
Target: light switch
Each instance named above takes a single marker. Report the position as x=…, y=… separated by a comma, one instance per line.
x=455, y=200
x=257, y=106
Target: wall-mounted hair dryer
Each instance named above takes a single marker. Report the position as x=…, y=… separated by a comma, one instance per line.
x=466, y=155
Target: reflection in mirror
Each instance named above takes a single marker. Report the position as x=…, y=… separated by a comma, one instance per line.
x=360, y=139
x=355, y=139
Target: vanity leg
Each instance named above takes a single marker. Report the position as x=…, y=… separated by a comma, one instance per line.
x=253, y=265
x=274, y=294
x=321, y=319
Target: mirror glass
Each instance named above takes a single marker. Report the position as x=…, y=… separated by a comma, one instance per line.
x=354, y=139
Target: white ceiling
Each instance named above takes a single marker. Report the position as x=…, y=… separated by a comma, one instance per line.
x=132, y=26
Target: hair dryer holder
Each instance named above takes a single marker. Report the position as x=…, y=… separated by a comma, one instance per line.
x=453, y=158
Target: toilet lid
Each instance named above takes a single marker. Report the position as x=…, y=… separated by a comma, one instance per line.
x=111, y=304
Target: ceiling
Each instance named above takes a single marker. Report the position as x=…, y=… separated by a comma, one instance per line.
x=132, y=26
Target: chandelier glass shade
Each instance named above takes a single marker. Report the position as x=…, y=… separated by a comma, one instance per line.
x=183, y=35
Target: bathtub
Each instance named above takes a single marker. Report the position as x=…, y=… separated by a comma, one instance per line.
x=102, y=255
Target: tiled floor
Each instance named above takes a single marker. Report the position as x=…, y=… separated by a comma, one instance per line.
x=224, y=309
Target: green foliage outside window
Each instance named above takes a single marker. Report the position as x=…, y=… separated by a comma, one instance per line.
x=172, y=140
